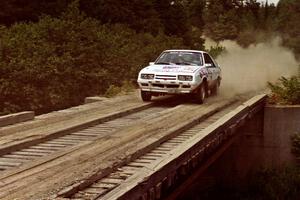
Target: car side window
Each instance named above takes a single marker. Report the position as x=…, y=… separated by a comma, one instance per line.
x=208, y=60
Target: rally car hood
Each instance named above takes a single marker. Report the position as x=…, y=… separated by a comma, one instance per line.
x=171, y=68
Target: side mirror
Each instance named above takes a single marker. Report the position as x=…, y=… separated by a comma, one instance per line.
x=151, y=63
x=208, y=65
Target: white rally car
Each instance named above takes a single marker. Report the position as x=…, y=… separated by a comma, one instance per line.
x=180, y=72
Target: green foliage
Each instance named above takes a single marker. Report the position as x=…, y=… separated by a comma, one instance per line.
x=29, y=10
x=112, y=91
x=116, y=90
x=128, y=86
x=289, y=23
x=286, y=91
x=221, y=19
x=52, y=61
x=296, y=145
x=56, y=62
x=196, y=10
x=246, y=37
x=264, y=184
x=275, y=184
x=174, y=23
x=239, y=20
x=138, y=15
x=217, y=50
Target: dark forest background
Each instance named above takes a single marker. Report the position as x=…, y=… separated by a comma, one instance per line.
x=53, y=53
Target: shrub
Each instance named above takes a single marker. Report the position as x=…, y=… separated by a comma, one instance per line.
x=296, y=145
x=217, y=50
x=275, y=184
x=112, y=91
x=115, y=90
x=286, y=91
x=264, y=184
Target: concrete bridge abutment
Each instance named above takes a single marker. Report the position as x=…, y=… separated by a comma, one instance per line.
x=263, y=142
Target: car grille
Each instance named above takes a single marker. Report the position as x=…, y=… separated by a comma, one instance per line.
x=165, y=77
x=165, y=85
x=159, y=85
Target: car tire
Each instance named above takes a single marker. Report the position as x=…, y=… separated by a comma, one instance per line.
x=146, y=96
x=201, y=94
x=215, y=89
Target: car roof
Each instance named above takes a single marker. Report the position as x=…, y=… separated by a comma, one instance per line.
x=186, y=50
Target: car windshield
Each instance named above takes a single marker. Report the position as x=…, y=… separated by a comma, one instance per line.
x=180, y=58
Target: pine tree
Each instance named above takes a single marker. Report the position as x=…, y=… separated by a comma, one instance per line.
x=173, y=16
x=137, y=14
x=29, y=10
x=221, y=19
x=196, y=12
x=289, y=24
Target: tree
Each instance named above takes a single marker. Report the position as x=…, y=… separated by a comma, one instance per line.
x=221, y=19
x=196, y=10
x=289, y=24
x=137, y=14
x=173, y=17
x=57, y=61
x=29, y=10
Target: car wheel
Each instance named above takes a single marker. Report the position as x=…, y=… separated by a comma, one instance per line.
x=201, y=94
x=215, y=89
x=146, y=96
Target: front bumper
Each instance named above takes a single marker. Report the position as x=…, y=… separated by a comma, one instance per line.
x=168, y=87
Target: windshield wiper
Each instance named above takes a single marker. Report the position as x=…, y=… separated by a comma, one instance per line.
x=163, y=63
x=184, y=63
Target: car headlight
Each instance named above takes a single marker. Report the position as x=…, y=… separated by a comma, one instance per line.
x=185, y=78
x=147, y=76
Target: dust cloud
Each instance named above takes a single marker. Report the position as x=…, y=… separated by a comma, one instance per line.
x=249, y=69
